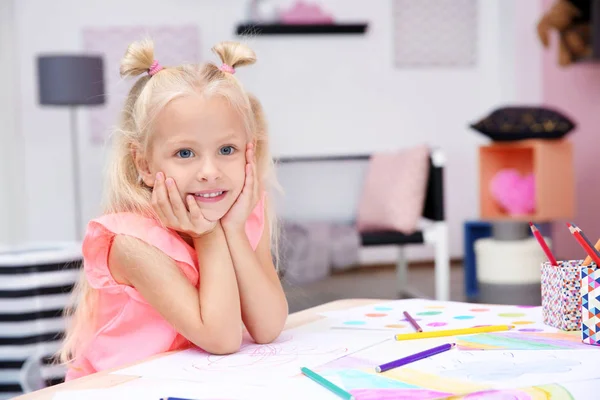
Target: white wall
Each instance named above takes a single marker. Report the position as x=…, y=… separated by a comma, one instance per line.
x=326, y=95
x=11, y=147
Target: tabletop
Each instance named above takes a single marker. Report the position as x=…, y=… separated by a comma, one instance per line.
x=106, y=379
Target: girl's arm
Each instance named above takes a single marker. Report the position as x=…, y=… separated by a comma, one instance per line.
x=209, y=316
x=264, y=306
x=263, y=302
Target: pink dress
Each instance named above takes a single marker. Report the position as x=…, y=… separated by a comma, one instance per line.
x=130, y=329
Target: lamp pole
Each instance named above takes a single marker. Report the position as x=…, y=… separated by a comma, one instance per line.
x=75, y=171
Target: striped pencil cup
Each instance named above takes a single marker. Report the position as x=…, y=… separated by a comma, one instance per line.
x=590, y=304
x=561, y=297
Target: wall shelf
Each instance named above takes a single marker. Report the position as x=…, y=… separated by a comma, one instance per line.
x=301, y=29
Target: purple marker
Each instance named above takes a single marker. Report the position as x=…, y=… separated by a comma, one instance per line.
x=415, y=357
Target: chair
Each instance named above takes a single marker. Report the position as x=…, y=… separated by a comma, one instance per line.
x=434, y=233
x=30, y=376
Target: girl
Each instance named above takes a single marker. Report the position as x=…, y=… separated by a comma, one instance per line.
x=182, y=254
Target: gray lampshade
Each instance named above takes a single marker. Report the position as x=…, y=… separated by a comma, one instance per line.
x=70, y=80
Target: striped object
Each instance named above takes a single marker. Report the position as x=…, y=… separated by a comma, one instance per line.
x=35, y=286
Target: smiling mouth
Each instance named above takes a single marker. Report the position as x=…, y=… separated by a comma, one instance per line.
x=210, y=197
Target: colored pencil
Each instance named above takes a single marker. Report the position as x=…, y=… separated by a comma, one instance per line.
x=175, y=398
x=589, y=243
x=412, y=322
x=583, y=235
x=452, y=332
x=415, y=357
x=576, y=232
x=543, y=244
x=326, y=384
x=588, y=259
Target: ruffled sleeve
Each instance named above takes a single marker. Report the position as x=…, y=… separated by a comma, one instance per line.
x=99, y=237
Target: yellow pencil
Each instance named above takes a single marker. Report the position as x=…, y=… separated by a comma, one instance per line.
x=452, y=332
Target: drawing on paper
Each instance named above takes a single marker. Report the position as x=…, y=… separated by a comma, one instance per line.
x=438, y=315
x=516, y=375
x=506, y=368
x=522, y=341
x=546, y=392
x=258, y=363
x=282, y=351
x=368, y=385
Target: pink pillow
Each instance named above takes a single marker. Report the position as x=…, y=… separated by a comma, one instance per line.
x=394, y=191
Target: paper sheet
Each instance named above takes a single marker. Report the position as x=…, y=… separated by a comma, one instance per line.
x=436, y=315
x=146, y=389
x=578, y=390
x=155, y=389
x=302, y=389
x=524, y=341
x=459, y=372
x=259, y=364
x=505, y=369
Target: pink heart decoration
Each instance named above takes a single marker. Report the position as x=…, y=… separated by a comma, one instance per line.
x=513, y=192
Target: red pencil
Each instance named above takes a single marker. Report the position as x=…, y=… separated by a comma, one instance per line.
x=590, y=245
x=590, y=250
x=543, y=244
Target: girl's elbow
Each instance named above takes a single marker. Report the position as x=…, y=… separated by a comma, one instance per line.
x=221, y=344
x=266, y=336
x=223, y=347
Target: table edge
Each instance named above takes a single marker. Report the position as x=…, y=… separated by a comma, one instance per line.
x=106, y=379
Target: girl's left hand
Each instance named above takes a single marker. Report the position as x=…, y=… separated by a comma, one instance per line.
x=239, y=212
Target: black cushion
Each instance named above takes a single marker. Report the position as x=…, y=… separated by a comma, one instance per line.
x=519, y=123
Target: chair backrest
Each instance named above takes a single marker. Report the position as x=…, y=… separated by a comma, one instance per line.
x=311, y=194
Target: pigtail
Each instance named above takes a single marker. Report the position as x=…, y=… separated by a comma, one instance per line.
x=138, y=58
x=234, y=54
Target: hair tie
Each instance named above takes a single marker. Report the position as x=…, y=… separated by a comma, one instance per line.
x=154, y=68
x=227, y=68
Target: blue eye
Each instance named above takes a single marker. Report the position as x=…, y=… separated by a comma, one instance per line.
x=226, y=150
x=185, y=153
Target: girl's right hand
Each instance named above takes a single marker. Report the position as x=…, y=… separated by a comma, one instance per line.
x=171, y=210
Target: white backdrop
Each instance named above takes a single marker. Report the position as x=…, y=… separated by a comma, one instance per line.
x=322, y=95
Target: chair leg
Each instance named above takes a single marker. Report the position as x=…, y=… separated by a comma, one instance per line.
x=437, y=236
x=442, y=263
x=401, y=271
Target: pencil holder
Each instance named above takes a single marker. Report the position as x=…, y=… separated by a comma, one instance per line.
x=561, y=298
x=590, y=304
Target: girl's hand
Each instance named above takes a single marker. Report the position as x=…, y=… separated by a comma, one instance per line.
x=242, y=207
x=171, y=210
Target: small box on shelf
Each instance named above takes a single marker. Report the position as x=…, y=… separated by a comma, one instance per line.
x=550, y=161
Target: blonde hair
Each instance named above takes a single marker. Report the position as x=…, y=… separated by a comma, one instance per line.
x=124, y=190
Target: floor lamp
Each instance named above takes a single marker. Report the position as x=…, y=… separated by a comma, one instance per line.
x=71, y=80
